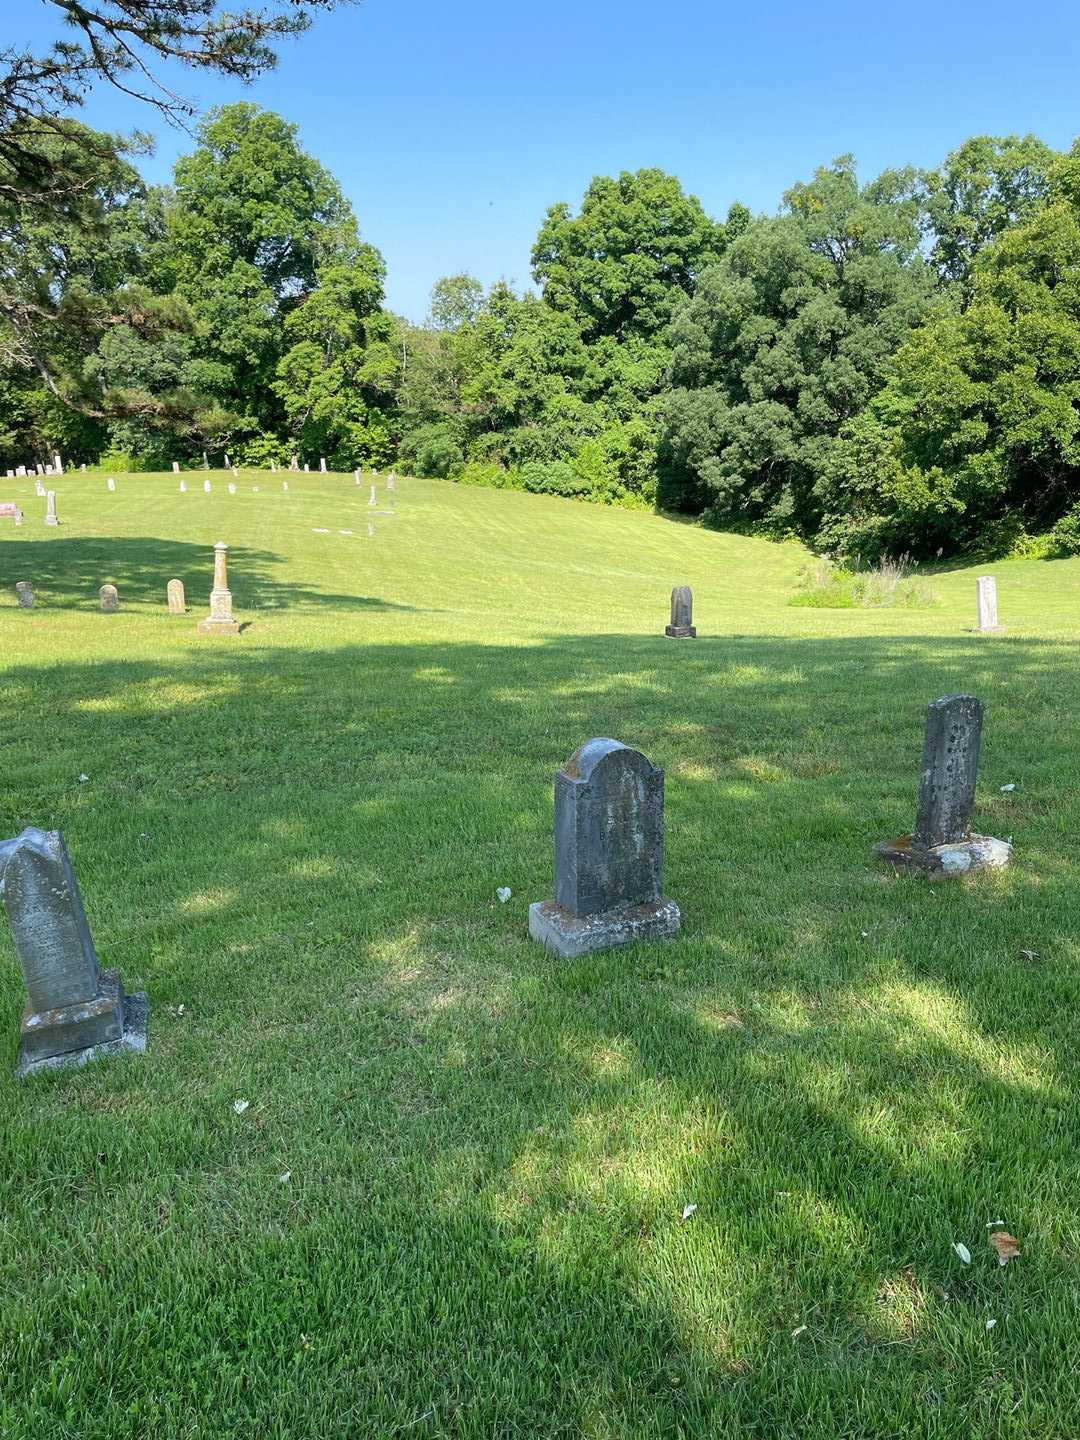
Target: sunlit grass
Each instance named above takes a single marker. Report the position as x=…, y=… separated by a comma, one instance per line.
x=297, y=835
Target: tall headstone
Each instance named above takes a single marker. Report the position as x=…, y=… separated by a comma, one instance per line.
x=371, y=497
x=205, y=461
x=176, y=467
x=207, y=487
x=942, y=842
x=226, y=460
x=391, y=483
x=50, y=508
x=109, y=599
x=609, y=854
x=986, y=599
x=682, y=614
x=24, y=593
x=294, y=463
x=355, y=476
x=220, y=620
x=73, y=1006
x=58, y=465
x=174, y=593
x=322, y=464
x=110, y=483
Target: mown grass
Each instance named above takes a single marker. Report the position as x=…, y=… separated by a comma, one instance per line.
x=297, y=835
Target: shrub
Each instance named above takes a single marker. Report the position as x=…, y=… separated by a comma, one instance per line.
x=823, y=586
x=434, y=451
x=553, y=477
x=1065, y=536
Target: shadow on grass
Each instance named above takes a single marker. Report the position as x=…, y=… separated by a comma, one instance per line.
x=69, y=573
x=489, y=1150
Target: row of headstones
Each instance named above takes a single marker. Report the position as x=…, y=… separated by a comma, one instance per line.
x=55, y=468
x=294, y=466
x=682, y=610
x=219, y=621
x=609, y=842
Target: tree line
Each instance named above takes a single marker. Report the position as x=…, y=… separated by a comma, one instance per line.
x=878, y=367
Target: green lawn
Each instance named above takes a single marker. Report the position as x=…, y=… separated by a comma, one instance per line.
x=296, y=835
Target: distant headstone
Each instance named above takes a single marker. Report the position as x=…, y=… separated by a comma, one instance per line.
x=110, y=483
x=307, y=468
x=371, y=497
x=609, y=854
x=183, y=487
x=20, y=470
x=294, y=463
x=50, y=508
x=205, y=461
x=986, y=598
x=11, y=474
x=942, y=842
x=24, y=593
x=176, y=467
x=285, y=485
x=371, y=531
x=682, y=614
x=391, y=483
x=9, y=510
x=207, y=486
x=40, y=468
x=72, y=1005
x=58, y=465
x=226, y=460
x=48, y=468
x=273, y=467
x=355, y=473
x=322, y=464
x=174, y=592
x=39, y=489
x=220, y=620
x=232, y=488
x=109, y=598
x=254, y=489
x=82, y=467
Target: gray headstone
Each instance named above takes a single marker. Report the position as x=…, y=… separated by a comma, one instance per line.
x=322, y=464
x=24, y=591
x=50, y=508
x=82, y=467
x=58, y=465
x=307, y=468
x=176, y=467
x=294, y=463
x=986, y=599
x=175, y=593
x=682, y=614
x=226, y=460
x=207, y=486
x=371, y=497
x=205, y=461
x=609, y=853
x=39, y=489
x=220, y=620
x=950, y=767
x=356, y=476
x=391, y=483
x=109, y=598
x=183, y=487
x=110, y=483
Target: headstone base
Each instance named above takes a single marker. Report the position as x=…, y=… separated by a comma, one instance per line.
x=681, y=632
x=990, y=630
x=51, y=520
x=977, y=852
x=573, y=935
x=111, y=1022
x=210, y=626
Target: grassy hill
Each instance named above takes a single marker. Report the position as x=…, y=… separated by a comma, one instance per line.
x=453, y=1205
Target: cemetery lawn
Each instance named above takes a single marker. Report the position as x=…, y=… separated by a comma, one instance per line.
x=453, y=1205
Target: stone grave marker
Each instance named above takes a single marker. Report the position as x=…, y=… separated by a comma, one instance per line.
x=273, y=467
x=307, y=468
x=942, y=842
x=24, y=593
x=40, y=468
x=391, y=483
x=183, y=487
x=986, y=599
x=232, y=488
x=82, y=467
x=9, y=510
x=110, y=483
x=371, y=497
x=609, y=854
x=356, y=476
x=109, y=599
x=227, y=460
x=682, y=615
x=220, y=620
x=39, y=489
x=176, y=467
x=285, y=486
x=50, y=508
x=207, y=486
x=322, y=464
x=74, y=1008
x=205, y=461
x=174, y=593
x=58, y=465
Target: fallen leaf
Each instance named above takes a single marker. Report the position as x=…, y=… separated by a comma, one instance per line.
x=962, y=1250
x=688, y=1210
x=240, y=1106
x=1006, y=1245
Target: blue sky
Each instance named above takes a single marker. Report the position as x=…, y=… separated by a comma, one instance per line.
x=452, y=127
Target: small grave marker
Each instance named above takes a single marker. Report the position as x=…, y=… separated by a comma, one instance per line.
x=174, y=594
x=109, y=599
x=24, y=593
x=682, y=614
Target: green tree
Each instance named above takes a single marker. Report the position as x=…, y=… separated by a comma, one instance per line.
x=786, y=339
x=456, y=300
x=253, y=221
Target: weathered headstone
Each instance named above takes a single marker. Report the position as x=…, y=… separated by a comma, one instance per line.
x=73, y=1006
x=355, y=475
x=24, y=593
x=273, y=467
x=82, y=467
x=50, y=508
x=174, y=592
x=682, y=614
x=942, y=842
x=322, y=464
x=11, y=474
x=609, y=854
x=371, y=497
x=183, y=487
x=207, y=486
x=40, y=468
x=176, y=467
x=58, y=465
x=220, y=620
x=9, y=509
x=307, y=468
x=110, y=483
x=986, y=599
x=391, y=483
x=48, y=468
x=294, y=463
x=39, y=490
x=109, y=598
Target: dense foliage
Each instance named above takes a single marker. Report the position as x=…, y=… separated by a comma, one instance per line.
x=881, y=367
